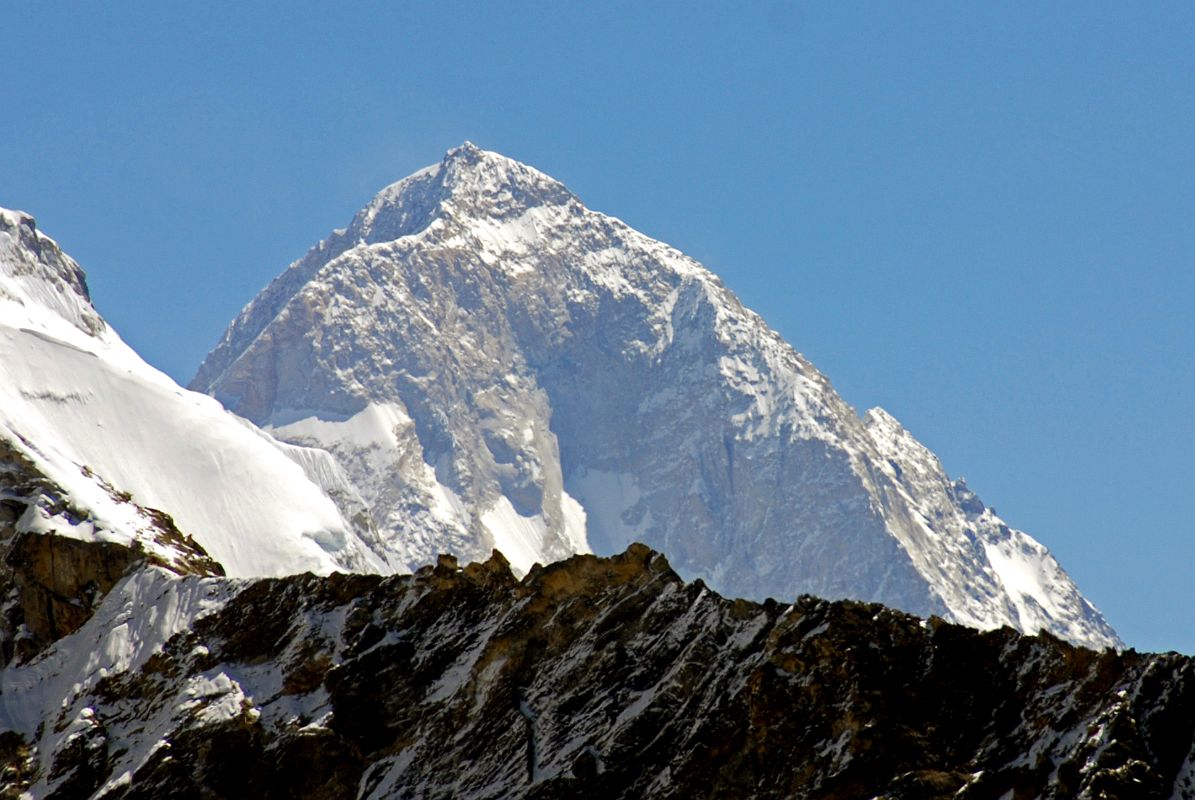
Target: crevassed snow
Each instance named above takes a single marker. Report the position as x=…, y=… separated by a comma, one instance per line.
x=375, y=425
x=248, y=505
x=382, y=438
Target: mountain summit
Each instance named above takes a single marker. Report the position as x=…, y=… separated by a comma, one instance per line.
x=495, y=365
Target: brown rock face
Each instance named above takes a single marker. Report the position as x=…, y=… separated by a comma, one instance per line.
x=610, y=677
x=53, y=583
x=59, y=582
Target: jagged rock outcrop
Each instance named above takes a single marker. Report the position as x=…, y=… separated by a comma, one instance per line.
x=591, y=677
x=495, y=365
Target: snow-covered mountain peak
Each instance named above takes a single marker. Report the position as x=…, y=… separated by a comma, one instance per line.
x=551, y=379
x=41, y=288
x=116, y=442
x=10, y=218
x=468, y=182
x=893, y=440
x=469, y=169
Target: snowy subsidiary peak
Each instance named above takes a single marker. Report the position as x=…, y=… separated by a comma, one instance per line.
x=104, y=443
x=40, y=286
x=491, y=363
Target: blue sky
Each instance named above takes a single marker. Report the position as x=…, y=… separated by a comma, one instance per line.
x=980, y=218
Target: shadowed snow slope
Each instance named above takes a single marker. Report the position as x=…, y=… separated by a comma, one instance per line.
x=111, y=436
x=492, y=363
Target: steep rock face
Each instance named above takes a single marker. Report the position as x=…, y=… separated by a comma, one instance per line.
x=592, y=677
x=493, y=364
x=113, y=438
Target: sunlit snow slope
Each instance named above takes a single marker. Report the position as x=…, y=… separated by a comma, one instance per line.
x=113, y=436
x=492, y=363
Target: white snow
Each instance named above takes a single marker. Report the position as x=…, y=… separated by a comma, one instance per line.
x=383, y=435
x=512, y=270
x=373, y=426
x=575, y=523
x=1184, y=781
x=137, y=617
x=1023, y=567
x=89, y=406
x=519, y=538
x=606, y=497
x=522, y=539
x=987, y=573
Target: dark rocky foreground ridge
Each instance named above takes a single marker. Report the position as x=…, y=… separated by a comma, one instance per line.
x=593, y=677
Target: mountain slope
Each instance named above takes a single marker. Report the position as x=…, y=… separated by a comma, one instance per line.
x=493, y=364
x=601, y=678
x=96, y=445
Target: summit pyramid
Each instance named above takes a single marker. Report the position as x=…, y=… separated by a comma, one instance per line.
x=493, y=364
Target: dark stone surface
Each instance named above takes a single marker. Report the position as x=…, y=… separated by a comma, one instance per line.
x=610, y=677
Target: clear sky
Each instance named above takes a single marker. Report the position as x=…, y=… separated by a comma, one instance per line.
x=980, y=218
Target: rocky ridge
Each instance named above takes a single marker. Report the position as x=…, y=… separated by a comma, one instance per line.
x=493, y=364
x=591, y=677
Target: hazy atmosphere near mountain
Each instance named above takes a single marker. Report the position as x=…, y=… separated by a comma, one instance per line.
x=978, y=220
